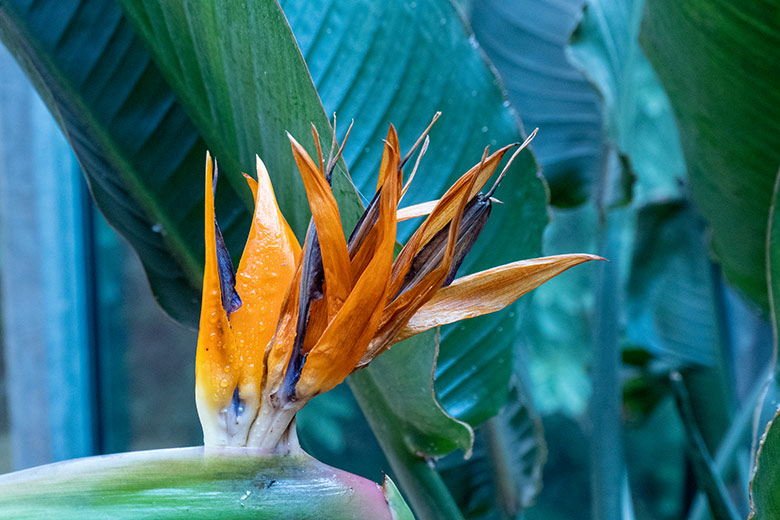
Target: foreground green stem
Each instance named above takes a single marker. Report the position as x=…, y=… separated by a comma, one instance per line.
x=424, y=487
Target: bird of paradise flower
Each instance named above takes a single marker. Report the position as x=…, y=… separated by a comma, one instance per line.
x=293, y=322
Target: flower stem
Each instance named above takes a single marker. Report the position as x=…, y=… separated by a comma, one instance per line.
x=421, y=483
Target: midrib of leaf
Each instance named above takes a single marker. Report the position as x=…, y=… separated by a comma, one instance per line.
x=36, y=58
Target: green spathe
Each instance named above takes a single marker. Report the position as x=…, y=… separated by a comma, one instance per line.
x=194, y=483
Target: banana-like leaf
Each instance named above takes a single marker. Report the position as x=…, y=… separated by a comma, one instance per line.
x=137, y=147
x=236, y=72
x=638, y=122
x=765, y=484
x=400, y=62
x=527, y=40
x=193, y=483
x=723, y=88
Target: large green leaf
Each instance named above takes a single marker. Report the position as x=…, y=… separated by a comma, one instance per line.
x=765, y=483
x=139, y=150
x=637, y=117
x=723, y=88
x=233, y=85
x=243, y=90
x=526, y=40
x=191, y=483
x=400, y=62
x=237, y=71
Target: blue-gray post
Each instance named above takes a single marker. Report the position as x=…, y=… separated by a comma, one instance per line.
x=43, y=278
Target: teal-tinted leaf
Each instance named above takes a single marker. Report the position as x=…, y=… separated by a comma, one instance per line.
x=723, y=88
x=638, y=120
x=677, y=311
x=670, y=291
x=380, y=62
x=526, y=40
x=565, y=494
x=656, y=461
x=139, y=150
x=765, y=485
x=188, y=483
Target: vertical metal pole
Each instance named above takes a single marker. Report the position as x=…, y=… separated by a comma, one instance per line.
x=45, y=300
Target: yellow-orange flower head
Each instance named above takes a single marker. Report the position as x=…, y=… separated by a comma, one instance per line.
x=293, y=322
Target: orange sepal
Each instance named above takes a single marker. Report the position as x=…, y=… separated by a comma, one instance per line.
x=488, y=291
x=267, y=266
x=215, y=374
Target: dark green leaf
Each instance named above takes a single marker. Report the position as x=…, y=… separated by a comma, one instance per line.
x=719, y=65
x=765, y=485
x=237, y=71
x=140, y=152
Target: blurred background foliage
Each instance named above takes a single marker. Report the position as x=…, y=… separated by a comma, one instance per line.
x=622, y=390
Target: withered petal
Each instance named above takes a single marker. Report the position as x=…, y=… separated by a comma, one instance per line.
x=488, y=291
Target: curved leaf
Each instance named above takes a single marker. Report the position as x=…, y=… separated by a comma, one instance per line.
x=723, y=89
x=136, y=145
x=398, y=380
x=638, y=121
x=191, y=483
x=237, y=71
x=526, y=40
